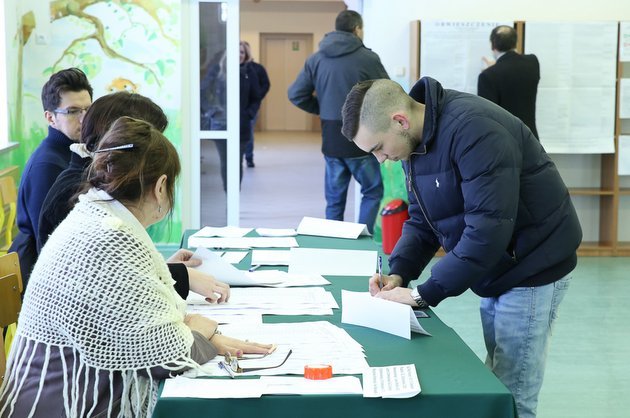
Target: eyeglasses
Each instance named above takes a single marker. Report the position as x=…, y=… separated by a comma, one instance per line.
x=71, y=111
x=233, y=368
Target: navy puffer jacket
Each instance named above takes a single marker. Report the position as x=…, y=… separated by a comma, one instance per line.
x=482, y=187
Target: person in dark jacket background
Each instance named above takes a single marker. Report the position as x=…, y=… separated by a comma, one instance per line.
x=482, y=187
x=320, y=88
x=263, y=88
x=512, y=82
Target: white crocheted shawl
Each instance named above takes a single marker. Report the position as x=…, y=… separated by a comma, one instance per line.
x=101, y=289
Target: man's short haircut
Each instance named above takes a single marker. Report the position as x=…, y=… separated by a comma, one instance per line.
x=503, y=38
x=348, y=20
x=370, y=103
x=351, y=110
x=70, y=79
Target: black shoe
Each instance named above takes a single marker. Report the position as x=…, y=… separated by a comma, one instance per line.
x=251, y=164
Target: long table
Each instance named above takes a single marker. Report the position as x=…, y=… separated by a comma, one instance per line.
x=455, y=383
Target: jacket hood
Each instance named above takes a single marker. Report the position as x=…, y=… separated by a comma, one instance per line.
x=429, y=92
x=339, y=43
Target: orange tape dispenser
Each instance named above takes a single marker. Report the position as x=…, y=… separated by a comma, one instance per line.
x=318, y=371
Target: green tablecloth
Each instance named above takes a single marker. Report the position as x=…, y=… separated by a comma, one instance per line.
x=455, y=383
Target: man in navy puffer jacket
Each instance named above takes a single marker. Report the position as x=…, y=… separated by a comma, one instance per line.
x=482, y=187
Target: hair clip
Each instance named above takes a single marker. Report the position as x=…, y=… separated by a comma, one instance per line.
x=120, y=147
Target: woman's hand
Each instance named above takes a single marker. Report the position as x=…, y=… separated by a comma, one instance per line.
x=208, y=286
x=184, y=257
x=205, y=326
x=235, y=347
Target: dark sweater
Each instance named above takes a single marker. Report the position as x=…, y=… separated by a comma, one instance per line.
x=46, y=163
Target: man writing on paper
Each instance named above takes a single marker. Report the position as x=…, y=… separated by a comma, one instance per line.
x=481, y=186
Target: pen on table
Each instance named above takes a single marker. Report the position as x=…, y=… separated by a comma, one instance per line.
x=380, y=272
x=252, y=268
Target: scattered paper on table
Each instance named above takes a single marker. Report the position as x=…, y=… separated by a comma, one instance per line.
x=276, y=232
x=360, y=308
x=333, y=262
x=244, y=242
x=234, y=257
x=270, y=257
x=224, y=231
x=223, y=271
x=330, y=228
x=391, y=382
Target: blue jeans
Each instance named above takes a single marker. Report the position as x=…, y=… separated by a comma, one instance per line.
x=367, y=171
x=516, y=329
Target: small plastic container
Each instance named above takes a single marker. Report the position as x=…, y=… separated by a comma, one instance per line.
x=394, y=215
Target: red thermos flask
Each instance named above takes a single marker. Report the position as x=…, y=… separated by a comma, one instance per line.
x=394, y=214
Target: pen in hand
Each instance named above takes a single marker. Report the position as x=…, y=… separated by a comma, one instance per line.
x=380, y=272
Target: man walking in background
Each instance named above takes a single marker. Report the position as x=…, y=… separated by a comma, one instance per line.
x=321, y=88
x=512, y=82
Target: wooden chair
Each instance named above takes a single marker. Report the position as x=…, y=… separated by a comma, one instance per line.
x=10, y=299
x=8, y=200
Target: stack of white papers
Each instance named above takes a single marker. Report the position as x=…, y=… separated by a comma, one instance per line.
x=360, y=308
x=391, y=382
x=317, y=342
x=270, y=301
x=184, y=387
x=329, y=228
x=244, y=242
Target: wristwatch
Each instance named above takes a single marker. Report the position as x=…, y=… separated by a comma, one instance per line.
x=416, y=296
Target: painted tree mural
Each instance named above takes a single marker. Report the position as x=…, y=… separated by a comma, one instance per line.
x=128, y=45
x=67, y=9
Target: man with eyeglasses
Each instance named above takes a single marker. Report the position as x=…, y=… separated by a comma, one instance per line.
x=66, y=96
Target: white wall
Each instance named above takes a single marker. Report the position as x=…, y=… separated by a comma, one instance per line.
x=387, y=33
x=4, y=115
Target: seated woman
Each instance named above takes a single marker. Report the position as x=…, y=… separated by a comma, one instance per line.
x=101, y=322
x=62, y=195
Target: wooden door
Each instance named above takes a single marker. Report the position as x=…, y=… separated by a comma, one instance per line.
x=283, y=55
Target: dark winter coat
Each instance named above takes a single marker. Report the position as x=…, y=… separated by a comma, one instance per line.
x=482, y=187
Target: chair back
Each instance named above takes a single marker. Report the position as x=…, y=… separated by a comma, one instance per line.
x=10, y=298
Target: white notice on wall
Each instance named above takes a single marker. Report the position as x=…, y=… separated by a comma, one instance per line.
x=455, y=52
x=575, y=111
x=624, y=41
x=624, y=98
x=624, y=155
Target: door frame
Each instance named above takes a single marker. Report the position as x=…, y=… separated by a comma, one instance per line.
x=191, y=180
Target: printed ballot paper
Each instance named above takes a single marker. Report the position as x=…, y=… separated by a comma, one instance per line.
x=330, y=228
x=360, y=308
x=391, y=382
